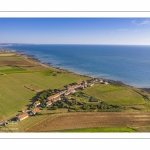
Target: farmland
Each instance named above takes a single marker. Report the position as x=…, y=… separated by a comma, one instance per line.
x=101, y=129
x=13, y=94
x=23, y=125
x=82, y=120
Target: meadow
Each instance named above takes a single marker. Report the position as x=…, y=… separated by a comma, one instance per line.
x=14, y=96
x=114, y=94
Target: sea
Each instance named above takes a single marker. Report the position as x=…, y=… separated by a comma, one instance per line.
x=127, y=63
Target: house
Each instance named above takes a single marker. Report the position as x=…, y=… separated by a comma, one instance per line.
x=48, y=103
x=84, y=84
x=62, y=92
x=55, y=97
x=101, y=81
x=36, y=103
x=95, y=79
x=67, y=93
x=91, y=84
x=22, y=116
x=106, y=82
x=74, y=86
x=35, y=110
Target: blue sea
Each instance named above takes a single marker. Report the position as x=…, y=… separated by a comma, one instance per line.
x=129, y=64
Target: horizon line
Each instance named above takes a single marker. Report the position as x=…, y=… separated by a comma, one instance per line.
x=73, y=44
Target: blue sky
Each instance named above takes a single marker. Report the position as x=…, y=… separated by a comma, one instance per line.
x=128, y=31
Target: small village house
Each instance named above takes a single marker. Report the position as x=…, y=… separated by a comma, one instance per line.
x=67, y=93
x=105, y=82
x=55, y=97
x=101, y=81
x=22, y=116
x=48, y=103
x=36, y=103
x=91, y=84
x=62, y=92
x=35, y=110
x=84, y=84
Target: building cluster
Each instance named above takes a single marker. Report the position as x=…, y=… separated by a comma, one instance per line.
x=25, y=115
x=56, y=97
x=72, y=89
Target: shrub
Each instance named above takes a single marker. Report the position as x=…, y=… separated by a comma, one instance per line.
x=55, y=107
x=92, y=99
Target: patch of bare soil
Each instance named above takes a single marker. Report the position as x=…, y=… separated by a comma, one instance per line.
x=94, y=119
x=12, y=62
x=7, y=54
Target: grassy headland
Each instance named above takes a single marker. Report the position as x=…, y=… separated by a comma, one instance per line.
x=22, y=78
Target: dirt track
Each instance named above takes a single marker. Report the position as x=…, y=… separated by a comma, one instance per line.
x=86, y=120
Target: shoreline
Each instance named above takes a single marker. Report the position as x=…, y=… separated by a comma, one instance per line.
x=33, y=58
x=48, y=65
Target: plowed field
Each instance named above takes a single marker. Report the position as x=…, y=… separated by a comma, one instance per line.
x=87, y=120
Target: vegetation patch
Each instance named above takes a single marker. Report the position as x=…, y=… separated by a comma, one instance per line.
x=100, y=129
x=114, y=94
x=33, y=88
x=13, y=70
x=75, y=106
x=50, y=73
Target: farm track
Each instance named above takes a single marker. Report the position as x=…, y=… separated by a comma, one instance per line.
x=94, y=119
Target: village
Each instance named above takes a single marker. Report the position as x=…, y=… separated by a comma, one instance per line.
x=70, y=89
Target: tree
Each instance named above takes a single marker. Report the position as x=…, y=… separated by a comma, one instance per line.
x=55, y=107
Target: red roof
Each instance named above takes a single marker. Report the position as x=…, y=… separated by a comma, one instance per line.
x=37, y=102
x=23, y=116
x=35, y=110
x=54, y=96
x=48, y=103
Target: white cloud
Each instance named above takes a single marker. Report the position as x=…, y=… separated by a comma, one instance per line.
x=144, y=22
x=133, y=21
x=123, y=29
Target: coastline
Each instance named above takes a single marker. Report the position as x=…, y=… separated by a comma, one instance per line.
x=34, y=59
x=48, y=65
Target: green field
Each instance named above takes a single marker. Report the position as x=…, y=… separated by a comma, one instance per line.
x=100, y=129
x=115, y=94
x=14, y=96
x=16, y=72
x=5, y=68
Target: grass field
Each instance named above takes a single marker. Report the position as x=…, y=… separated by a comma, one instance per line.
x=114, y=94
x=5, y=68
x=101, y=129
x=13, y=94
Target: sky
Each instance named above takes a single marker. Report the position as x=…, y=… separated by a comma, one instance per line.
x=121, y=31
